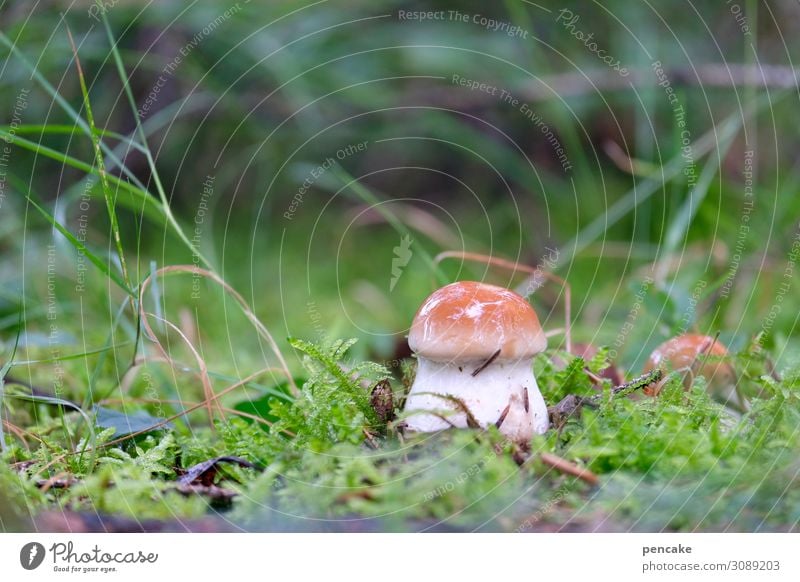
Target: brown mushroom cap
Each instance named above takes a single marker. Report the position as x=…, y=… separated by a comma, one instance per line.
x=471, y=320
x=700, y=352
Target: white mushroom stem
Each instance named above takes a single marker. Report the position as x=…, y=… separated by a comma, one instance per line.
x=499, y=386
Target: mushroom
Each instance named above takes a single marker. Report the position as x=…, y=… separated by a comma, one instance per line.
x=700, y=355
x=475, y=345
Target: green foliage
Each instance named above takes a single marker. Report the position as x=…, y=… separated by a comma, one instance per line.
x=456, y=479
x=156, y=457
x=334, y=404
x=682, y=461
x=556, y=381
x=129, y=489
x=19, y=498
x=242, y=439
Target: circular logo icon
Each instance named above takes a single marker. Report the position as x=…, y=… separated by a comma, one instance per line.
x=31, y=555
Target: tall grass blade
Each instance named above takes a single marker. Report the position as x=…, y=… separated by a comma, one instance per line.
x=165, y=205
x=146, y=202
x=110, y=198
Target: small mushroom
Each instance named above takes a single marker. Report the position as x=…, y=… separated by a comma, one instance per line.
x=700, y=355
x=475, y=345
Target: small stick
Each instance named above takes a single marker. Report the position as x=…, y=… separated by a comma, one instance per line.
x=594, y=378
x=486, y=364
x=569, y=468
x=525, y=400
x=445, y=419
x=370, y=438
x=503, y=415
x=61, y=481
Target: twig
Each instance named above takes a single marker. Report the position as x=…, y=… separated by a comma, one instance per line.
x=370, y=438
x=461, y=406
x=486, y=364
x=503, y=415
x=594, y=378
x=569, y=468
x=260, y=328
x=208, y=389
x=61, y=481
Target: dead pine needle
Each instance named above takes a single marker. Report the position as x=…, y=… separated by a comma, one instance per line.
x=208, y=390
x=503, y=415
x=486, y=364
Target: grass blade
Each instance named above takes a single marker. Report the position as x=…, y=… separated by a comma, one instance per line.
x=641, y=192
x=3, y=373
x=81, y=248
x=111, y=199
x=679, y=227
x=55, y=129
x=164, y=211
x=64, y=104
x=165, y=206
x=146, y=201
x=60, y=402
